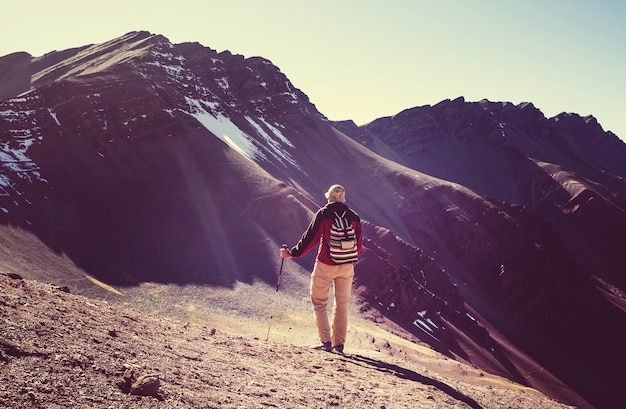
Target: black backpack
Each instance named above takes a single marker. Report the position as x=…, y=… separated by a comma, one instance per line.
x=342, y=243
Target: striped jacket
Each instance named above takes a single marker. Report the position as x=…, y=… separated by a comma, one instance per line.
x=319, y=231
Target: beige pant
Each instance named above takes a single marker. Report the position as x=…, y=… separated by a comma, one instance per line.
x=322, y=278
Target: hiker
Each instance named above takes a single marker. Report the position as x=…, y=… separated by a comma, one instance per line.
x=336, y=230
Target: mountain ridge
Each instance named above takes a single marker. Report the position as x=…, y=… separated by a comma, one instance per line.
x=145, y=161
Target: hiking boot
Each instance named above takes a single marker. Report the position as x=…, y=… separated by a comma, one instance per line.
x=324, y=346
x=339, y=348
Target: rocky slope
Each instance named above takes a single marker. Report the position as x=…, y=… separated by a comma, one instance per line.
x=61, y=350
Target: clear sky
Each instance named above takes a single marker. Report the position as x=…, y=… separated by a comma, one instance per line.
x=363, y=59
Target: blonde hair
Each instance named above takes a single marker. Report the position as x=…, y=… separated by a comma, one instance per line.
x=336, y=193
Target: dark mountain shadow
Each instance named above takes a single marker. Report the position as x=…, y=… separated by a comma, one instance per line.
x=176, y=210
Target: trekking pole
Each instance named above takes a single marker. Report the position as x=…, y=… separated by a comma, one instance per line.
x=280, y=273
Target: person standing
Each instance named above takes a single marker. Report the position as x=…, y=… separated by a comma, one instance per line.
x=336, y=231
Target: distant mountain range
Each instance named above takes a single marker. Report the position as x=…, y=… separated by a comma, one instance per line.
x=493, y=233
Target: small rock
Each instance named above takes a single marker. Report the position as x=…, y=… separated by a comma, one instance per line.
x=146, y=385
x=127, y=379
x=15, y=276
x=112, y=333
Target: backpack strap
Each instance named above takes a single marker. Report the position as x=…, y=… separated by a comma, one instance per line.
x=342, y=223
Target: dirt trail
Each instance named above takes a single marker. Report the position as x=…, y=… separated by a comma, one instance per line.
x=60, y=350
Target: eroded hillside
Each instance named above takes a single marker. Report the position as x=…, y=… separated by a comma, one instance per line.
x=60, y=350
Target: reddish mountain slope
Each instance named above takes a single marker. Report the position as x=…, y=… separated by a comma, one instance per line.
x=566, y=169
x=487, y=225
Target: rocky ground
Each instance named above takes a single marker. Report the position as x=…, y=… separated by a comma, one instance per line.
x=63, y=350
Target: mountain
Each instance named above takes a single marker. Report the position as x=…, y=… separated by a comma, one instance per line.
x=566, y=169
x=492, y=233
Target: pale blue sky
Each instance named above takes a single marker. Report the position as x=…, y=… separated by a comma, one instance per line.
x=364, y=59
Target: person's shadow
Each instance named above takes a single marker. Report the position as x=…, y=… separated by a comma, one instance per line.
x=410, y=375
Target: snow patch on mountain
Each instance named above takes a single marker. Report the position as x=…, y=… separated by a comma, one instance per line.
x=222, y=127
x=426, y=324
x=54, y=116
x=14, y=161
x=273, y=142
